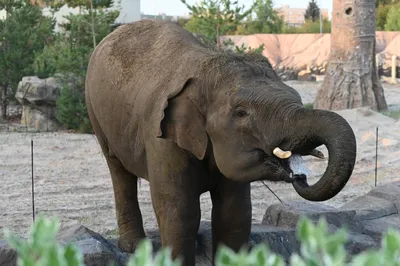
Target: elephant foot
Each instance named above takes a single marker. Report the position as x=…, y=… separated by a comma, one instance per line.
x=127, y=243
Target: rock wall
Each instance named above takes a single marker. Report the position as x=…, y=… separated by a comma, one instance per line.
x=38, y=99
x=310, y=52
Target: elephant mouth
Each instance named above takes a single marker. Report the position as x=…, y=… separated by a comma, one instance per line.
x=295, y=168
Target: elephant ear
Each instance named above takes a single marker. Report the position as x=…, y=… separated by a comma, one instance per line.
x=183, y=123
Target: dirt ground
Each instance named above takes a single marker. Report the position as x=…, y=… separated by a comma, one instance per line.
x=72, y=180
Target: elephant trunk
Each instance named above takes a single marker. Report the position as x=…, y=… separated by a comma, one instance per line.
x=332, y=130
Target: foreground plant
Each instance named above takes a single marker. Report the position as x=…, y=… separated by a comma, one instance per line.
x=318, y=248
x=41, y=247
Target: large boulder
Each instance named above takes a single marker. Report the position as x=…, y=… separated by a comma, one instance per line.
x=38, y=98
x=8, y=256
x=288, y=214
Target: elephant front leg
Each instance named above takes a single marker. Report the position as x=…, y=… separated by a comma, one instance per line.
x=231, y=215
x=178, y=217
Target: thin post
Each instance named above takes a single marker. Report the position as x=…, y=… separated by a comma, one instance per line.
x=33, y=185
x=394, y=58
x=376, y=158
x=320, y=20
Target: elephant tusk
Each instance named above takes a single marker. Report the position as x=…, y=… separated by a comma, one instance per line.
x=317, y=153
x=282, y=154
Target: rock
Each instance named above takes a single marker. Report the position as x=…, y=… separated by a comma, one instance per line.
x=8, y=256
x=38, y=98
x=96, y=250
x=305, y=75
x=288, y=214
x=390, y=192
x=368, y=207
x=287, y=74
x=42, y=119
x=281, y=241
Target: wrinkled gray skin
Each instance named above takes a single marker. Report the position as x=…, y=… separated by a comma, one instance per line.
x=189, y=120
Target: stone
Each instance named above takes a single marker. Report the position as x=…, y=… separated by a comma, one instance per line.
x=38, y=98
x=377, y=227
x=287, y=74
x=281, y=241
x=96, y=250
x=289, y=213
x=8, y=256
x=305, y=75
x=368, y=207
x=390, y=191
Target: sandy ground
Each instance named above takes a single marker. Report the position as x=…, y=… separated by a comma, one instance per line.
x=72, y=180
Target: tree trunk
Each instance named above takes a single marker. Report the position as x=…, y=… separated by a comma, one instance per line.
x=351, y=79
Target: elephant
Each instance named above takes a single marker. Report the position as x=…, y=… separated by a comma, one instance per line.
x=191, y=119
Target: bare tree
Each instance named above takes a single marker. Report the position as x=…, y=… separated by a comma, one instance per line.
x=351, y=79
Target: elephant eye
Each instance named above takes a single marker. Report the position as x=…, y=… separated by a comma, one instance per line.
x=240, y=113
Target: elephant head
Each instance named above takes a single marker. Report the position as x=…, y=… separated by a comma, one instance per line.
x=236, y=112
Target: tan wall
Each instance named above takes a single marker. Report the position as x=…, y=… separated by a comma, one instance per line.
x=299, y=50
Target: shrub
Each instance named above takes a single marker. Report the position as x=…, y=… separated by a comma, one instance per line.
x=318, y=247
x=72, y=111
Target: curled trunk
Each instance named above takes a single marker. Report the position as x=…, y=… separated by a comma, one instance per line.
x=335, y=133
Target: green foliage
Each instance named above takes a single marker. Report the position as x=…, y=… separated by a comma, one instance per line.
x=70, y=52
x=312, y=11
x=309, y=105
x=386, y=2
x=267, y=20
x=393, y=19
x=260, y=255
x=310, y=27
x=96, y=4
x=143, y=256
x=72, y=111
x=395, y=114
x=318, y=247
x=41, y=247
x=24, y=32
x=213, y=18
x=69, y=56
x=381, y=17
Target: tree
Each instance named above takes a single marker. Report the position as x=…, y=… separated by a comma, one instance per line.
x=68, y=55
x=213, y=18
x=312, y=12
x=24, y=32
x=382, y=10
x=381, y=16
x=351, y=79
x=393, y=19
x=267, y=19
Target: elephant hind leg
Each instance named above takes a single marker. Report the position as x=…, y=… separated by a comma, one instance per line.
x=129, y=216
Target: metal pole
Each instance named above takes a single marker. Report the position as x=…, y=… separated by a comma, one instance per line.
x=376, y=158
x=320, y=18
x=33, y=186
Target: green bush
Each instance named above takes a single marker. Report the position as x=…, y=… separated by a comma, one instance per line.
x=393, y=19
x=41, y=248
x=318, y=248
x=71, y=110
x=69, y=55
x=309, y=27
